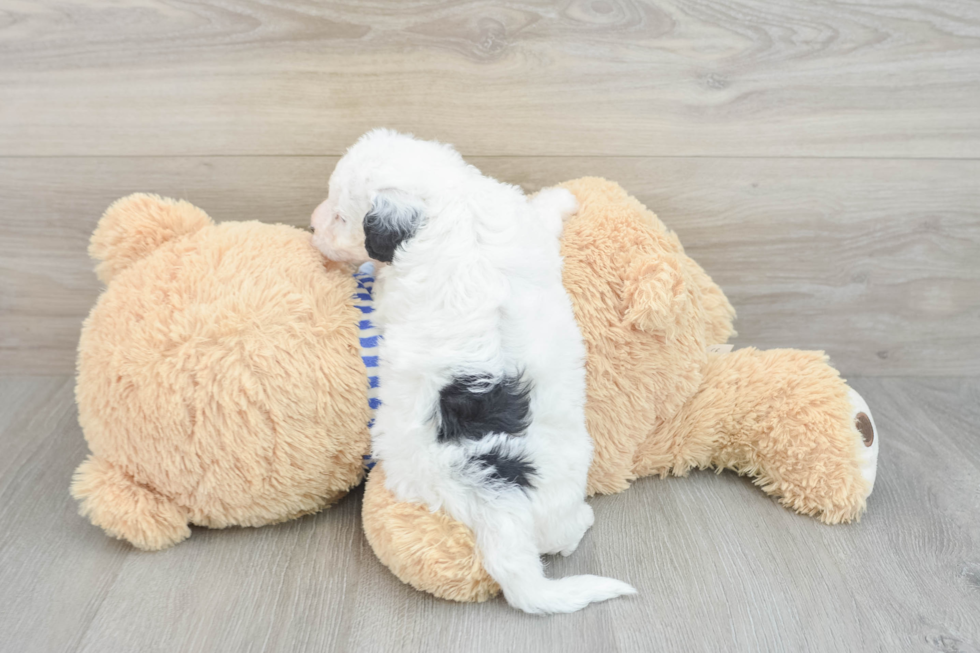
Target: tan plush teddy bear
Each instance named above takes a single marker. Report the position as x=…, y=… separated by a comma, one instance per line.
x=220, y=383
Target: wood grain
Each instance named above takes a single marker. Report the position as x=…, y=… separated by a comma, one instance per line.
x=876, y=262
x=528, y=77
x=718, y=565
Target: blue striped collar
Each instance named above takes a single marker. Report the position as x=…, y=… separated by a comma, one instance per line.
x=368, y=336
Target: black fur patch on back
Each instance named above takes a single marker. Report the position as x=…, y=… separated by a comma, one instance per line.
x=470, y=410
x=387, y=225
x=512, y=470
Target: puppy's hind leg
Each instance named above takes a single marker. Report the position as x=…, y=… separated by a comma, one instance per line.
x=582, y=521
x=561, y=531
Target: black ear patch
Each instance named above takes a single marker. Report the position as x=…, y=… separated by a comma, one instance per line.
x=390, y=222
x=470, y=407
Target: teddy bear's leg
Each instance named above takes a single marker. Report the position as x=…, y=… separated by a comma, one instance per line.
x=126, y=510
x=784, y=417
x=428, y=550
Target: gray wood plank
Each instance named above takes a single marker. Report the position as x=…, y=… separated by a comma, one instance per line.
x=719, y=566
x=875, y=261
x=55, y=570
x=591, y=77
x=283, y=588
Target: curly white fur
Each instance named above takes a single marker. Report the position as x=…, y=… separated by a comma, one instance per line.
x=473, y=289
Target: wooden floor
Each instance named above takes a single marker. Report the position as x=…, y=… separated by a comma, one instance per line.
x=718, y=565
x=820, y=159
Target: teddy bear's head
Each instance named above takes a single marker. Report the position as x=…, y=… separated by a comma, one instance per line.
x=219, y=377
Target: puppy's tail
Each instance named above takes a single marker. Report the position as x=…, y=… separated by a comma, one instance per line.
x=511, y=557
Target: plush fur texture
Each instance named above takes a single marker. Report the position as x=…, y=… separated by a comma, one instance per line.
x=658, y=403
x=182, y=423
x=217, y=385
x=781, y=416
x=482, y=364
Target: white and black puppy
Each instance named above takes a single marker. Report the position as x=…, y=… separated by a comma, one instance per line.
x=482, y=378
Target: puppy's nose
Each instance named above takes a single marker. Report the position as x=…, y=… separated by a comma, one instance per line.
x=311, y=229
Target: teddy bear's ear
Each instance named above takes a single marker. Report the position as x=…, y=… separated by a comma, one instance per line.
x=656, y=294
x=137, y=224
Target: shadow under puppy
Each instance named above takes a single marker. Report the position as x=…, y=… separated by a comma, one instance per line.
x=482, y=363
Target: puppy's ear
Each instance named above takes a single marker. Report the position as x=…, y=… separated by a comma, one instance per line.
x=393, y=219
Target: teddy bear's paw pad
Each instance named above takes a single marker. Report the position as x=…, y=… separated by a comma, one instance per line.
x=863, y=425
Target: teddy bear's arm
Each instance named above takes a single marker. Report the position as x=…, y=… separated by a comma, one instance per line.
x=718, y=313
x=125, y=509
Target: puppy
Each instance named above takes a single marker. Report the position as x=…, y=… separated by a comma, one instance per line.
x=482, y=378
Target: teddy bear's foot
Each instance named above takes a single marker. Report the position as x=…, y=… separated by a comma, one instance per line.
x=866, y=434
x=125, y=509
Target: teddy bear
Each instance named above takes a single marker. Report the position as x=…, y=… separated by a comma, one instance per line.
x=218, y=377
x=220, y=382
